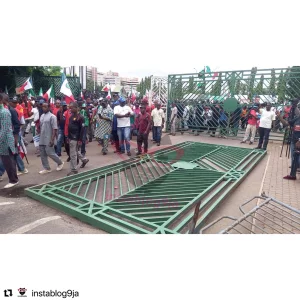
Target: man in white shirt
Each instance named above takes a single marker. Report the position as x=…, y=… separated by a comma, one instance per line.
x=186, y=116
x=267, y=118
x=123, y=113
x=173, y=118
x=158, y=120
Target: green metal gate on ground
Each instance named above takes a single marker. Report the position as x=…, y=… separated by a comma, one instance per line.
x=202, y=98
x=156, y=194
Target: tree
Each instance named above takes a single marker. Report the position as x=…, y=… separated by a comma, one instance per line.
x=282, y=86
x=260, y=86
x=293, y=83
x=251, y=82
x=178, y=89
x=272, y=86
x=191, y=86
x=217, y=88
x=231, y=84
x=243, y=89
x=238, y=87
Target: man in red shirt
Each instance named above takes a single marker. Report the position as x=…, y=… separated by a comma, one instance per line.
x=143, y=124
x=67, y=115
x=56, y=108
x=251, y=127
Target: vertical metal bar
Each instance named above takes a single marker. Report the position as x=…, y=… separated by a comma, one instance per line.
x=96, y=188
x=104, y=190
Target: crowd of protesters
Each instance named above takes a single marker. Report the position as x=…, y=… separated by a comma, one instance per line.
x=58, y=126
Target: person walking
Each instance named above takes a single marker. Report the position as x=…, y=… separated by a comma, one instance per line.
x=173, y=118
x=75, y=136
x=7, y=145
x=251, y=127
x=114, y=131
x=265, y=124
x=67, y=116
x=123, y=113
x=48, y=133
x=143, y=125
x=158, y=120
x=11, y=105
x=61, y=139
x=104, y=118
x=84, y=112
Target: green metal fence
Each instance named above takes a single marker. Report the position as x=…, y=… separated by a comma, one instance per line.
x=155, y=194
x=213, y=102
x=45, y=82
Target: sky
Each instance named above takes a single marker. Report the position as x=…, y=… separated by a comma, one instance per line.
x=137, y=38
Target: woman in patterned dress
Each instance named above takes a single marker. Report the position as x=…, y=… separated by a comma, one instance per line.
x=104, y=117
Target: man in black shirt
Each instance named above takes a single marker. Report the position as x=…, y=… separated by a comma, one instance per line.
x=75, y=136
x=61, y=125
x=294, y=123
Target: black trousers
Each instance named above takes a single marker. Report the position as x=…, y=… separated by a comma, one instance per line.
x=142, y=138
x=264, y=134
x=114, y=133
x=10, y=166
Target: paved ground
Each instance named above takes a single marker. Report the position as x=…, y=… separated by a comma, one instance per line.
x=20, y=214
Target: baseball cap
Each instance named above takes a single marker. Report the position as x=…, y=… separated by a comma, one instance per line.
x=122, y=99
x=83, y=105
x=41, y=101
x=116, y=103
x=63, y=103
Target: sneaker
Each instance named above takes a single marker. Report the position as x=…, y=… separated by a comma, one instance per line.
x=129, y=153
x=72, y=173
x=59, y=167
x=243, y=142
x=158, y=144
x=9, y=185
x=44, y=172
x=85, y=161
x=104, y=153
x=19, y=173
x=250, y=143
x=289, y=177
x=69, y=159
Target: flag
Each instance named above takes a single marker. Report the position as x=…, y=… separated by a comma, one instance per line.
x=36, y=140
x=208, y=69
x=109, y=95
x=106, y=88
x=31, y=94
x=22, y=149
x=49, y=95
x=6, y=91
x=25, y=86
x=41, y=92
x=133, y=96
x=216, y=74
x=81, y=95
x=65, y=89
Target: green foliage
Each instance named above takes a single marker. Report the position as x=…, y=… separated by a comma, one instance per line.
x=251, y=82
x=217, y=88
x=272, y=86
x=237, y=87
x=191, y=86
x=281, y=88
x=259, y=88
x=293, y=83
